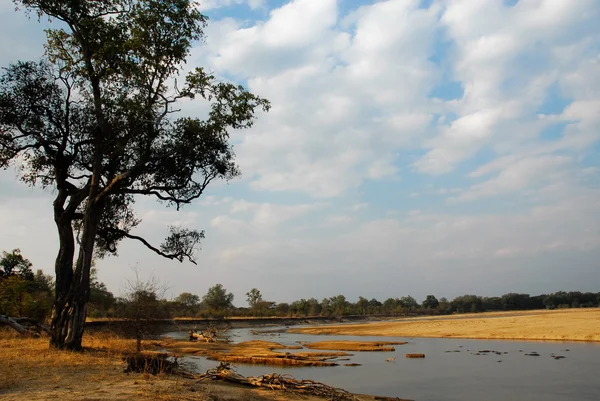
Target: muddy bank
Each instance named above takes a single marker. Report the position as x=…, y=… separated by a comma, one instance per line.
x=273, y=353
x=165, y=325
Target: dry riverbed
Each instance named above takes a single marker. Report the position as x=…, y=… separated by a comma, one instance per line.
x=557, y=325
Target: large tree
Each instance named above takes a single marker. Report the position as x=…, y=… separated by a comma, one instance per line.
x=93, y=120
x=217, y=298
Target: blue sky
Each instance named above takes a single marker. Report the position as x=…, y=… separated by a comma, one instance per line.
x=413, y=147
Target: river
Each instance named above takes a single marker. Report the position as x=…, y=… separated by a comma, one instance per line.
x=451, y=370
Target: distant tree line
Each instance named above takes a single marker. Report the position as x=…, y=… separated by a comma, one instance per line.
x=24, y=293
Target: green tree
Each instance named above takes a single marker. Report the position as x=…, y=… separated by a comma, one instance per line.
x=254, y=297
x=409, y=303
x=362, y=305
x=101, y=300
x=338, y=304
x=93, y=121
x=23, y=293
x=188, y=300
x=431, y=302
x=217, y=298
x=15, y=264
x=187, y=303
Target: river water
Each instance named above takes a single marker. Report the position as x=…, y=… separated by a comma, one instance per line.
x=451, y=370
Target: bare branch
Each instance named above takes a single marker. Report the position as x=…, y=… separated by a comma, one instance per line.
x=179, y=255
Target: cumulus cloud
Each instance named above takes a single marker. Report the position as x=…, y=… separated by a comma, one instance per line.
x=408, y=148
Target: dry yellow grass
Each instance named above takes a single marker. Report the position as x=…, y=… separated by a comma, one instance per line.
x=558, y=325
x=31, y=371
x=252, y=352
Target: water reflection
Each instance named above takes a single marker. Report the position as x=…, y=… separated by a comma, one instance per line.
x=464, y=373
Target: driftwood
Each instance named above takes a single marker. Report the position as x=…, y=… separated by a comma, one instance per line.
x=210, y=335
x=24, y=325
x=288, y=360
x=155, y=363
x=276, y=381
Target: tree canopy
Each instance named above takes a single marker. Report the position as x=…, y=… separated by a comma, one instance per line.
x=14, y=263
x=96, y=120
x=217, y=298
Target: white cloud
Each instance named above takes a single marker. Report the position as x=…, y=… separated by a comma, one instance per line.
x=351, y=103
x=343, y=102
x=516, y=175
x=507, y=58
x=206, y=5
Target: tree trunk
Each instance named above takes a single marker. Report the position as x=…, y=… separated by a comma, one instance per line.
x=73, y=285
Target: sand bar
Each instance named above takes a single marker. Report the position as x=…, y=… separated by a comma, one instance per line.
x=556, y=325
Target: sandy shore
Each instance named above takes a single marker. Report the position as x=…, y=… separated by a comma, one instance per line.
x=556, y=325
x=31, y=371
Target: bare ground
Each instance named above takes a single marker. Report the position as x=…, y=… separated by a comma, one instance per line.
x=555, y=325
x=31, y=371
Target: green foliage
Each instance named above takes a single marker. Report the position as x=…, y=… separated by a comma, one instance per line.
x=101, y=300
x=409, y=303
x=23, y=293
x=253, y=297
x=217, y=299
x=188, y=300
x=431, y=302
x=15, y=264
x=95, y=121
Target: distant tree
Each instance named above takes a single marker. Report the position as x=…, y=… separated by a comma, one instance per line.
x=188, y=300
x=374, y=307
x=409, y=303
x=300, y=307
x=15, y=264
x=326, y=309
x=94, y=121
x=338, y=304
x=101, y=300
x=217, y=298
x=467, y=303
x=362, y=305
x=314, y=307
x=390, y=305
x=431, y=302
x=253, y=297
x=282, y=309
x=23, y=293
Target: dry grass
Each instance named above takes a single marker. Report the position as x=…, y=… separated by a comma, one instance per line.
x=31, y=371
x=558, y=325
x=252, y=352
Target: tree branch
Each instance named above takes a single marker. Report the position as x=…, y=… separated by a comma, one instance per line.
x=177, y=255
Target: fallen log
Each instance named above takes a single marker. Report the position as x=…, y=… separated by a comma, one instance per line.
x=275, y=360
x=210, y=335
x=24, y=325
x=276, y=381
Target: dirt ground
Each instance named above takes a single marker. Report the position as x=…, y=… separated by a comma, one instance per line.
x=557, y=325
x=31, y=371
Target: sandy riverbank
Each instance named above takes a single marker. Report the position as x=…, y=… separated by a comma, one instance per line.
x=31, y=371
x=557, y=325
